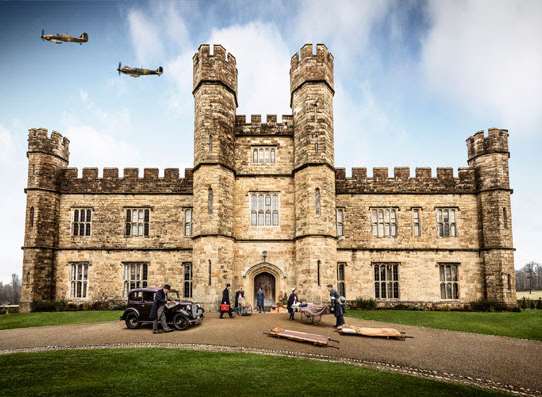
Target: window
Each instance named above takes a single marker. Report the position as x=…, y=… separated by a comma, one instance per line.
x=264, y=209
x=210, y=201
x=188, y=222
x=449, y=287
x=210, y=143
x=508, y=281
x=31, y=216
x=386, y=280
x=384, y=222
x=264, y=154
x=137, y=222
x=340, y=279
x=318, y=272
x=79, y=280
x=82, y=218
x=446, y=222
x=187, y=266
x=135, y=276
x=209, y=272
x=317, y=200
x=416, y=228
x=504, y=218
x=340, y=222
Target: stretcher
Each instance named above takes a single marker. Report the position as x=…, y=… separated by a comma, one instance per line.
x=298, y=336
x=388, y=333
x=312, y=313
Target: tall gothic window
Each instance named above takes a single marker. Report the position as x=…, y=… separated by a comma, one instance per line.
x=449, y=285
x=135, y=276
x=317, y=200
x=79, y=280
x=210, y=201
x=416, y=228
x=188, y=222
x=386, y=280
x=340, y=222
x=446, y=222
x=264, y=154
x=384, y=222
x=187, y=282
x=137, y=222
x=264, y=209
x=82, y=218
x=341, y=287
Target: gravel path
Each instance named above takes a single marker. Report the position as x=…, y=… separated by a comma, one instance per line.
x=488, y=361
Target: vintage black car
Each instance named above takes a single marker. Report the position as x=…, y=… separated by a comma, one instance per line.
x=179, y=314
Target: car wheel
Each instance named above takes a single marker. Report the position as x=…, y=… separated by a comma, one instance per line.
x=180, y=321
x=131, y=320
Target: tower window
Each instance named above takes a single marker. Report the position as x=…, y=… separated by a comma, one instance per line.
x=188, y=222
x=340, y=222
x=449, y=285
x=82, y=220
x=264, y=154
x=341, y=287
x=210, y=201
x=210, y=144
x=135, y=276
x=384, y=222
x=31, y=216
x=504, y=217
x=386, y=280
x=317, y=200
x=318, y=272
x=416, y=228
x=210, y=272
x=446, y=222
x=137, y=222
x=264, y=209
x=187, y=267
x=79, y=280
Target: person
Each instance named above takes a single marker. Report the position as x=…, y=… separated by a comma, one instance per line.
x=158, y=312
x=260, y=298
x=226, y=301
x=239, y=294
x=336, y=305
x=292, y=299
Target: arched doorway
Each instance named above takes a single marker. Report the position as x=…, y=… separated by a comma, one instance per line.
x=267, y=282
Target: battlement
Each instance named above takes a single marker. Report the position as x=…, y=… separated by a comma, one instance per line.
x=130, y=182
x=285, y=127
x=401, y=182
x=496, y=141
x=39, y=141
x=307, y=66
x=218, y=67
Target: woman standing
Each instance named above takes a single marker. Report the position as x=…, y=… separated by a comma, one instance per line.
x=260, y=297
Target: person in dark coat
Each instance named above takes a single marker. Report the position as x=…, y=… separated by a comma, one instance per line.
x=292, y=299
x=260, y=298
x=226, y=301
x=338, y=309
x=158, y=312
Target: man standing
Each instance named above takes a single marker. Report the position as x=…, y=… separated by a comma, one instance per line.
x=292, y=299
x=260, y=298
x=158, y=313
x=226, y=302
x=336, y=305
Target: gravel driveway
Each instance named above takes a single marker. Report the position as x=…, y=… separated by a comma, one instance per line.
x=490, y=361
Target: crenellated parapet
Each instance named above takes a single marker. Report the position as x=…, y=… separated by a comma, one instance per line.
x=309, y=67
x=219, y=67
x=401, y=181
x=130, y=183
x=39, y=141
x=271, y=126
x=479, y=144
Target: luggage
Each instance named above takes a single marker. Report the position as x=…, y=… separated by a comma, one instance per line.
x=224, y=307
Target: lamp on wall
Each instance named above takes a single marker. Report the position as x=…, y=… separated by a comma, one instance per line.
x=264, y=256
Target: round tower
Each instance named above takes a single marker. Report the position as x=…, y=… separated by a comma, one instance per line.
x=215, y=100
x=311, y=88
x=489, y=157
x=47, y=156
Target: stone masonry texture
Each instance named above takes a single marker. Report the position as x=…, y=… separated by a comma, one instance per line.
x=233, y=236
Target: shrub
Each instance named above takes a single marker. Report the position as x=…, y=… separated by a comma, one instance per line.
x=484, y=305
x=539, y=303
x=365, y=304
x=43, y=306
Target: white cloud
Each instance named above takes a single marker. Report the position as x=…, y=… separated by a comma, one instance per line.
x=145, y=38
x=487, y=56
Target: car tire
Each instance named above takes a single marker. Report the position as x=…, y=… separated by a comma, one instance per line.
x=180, y=322
x=132, y=320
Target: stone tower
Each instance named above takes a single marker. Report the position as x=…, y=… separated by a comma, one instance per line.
x=215, y=97
x=47, y=156
x=489, y=156
x=311, y=88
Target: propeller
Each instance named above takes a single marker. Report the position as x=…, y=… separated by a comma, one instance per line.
x=42, y=33
x=118, y=69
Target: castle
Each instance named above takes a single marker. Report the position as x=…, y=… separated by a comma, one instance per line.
x=265, y=206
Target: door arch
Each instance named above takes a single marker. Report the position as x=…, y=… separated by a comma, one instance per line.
x=268, y=283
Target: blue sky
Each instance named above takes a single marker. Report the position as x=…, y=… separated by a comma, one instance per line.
x=413, y=80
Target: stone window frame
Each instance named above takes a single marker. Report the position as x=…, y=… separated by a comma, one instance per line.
x=449, y=280
x=263, y=154
x=188, y=221
x=79, y=280
x=264, y=209
x=81, y=227
x=144, y=222
x=340, y=222
x=341, y=278
x=210, y=201
x=383, y=226
x=386, y=278
x=317, y=201
x=188, y=279
x=444, y=228
x=416, y=217
x=318, y=266
x=31, y=216
x=505, y=217
x=140, y=271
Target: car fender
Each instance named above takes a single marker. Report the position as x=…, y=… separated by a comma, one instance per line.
x=129, y=310
x=184, y=312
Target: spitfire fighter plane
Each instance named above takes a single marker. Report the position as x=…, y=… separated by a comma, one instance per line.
x=64, y=38
x=136, y=72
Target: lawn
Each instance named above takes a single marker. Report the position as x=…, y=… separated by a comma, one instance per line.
x=526, y=324
x=148, y=372
x=24, y=320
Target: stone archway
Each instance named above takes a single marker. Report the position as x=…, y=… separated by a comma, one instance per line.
x=267, y=282
x=275, y=279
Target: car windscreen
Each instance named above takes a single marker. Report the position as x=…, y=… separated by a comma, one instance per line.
x=173, y=295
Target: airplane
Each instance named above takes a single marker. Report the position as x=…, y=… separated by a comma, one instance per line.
x=64, y=38
x=136, y=72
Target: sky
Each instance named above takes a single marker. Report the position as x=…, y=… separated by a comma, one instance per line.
x=413, y=80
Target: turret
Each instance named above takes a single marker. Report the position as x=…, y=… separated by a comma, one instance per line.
x=311, y=87
x=489, y=155
x=215, y=100
x=47, y=157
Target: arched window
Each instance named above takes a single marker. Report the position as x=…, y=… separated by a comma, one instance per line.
x=31, y=216
x=317, y=200
x=261, y=156
x=210, y=201
x=254, y=210
x=255, y=156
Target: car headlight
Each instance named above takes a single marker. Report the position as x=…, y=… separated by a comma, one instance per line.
x=188, y=307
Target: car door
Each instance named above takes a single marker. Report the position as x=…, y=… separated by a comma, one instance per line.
x=148, y=298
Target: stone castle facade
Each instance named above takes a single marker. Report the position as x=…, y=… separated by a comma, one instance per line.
x=265, y=206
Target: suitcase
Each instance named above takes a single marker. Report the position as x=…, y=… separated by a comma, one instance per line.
x=224, y=307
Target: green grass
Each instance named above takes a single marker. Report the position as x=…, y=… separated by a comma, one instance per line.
x=527, y=324
x=24, y=320
x=150, y=372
